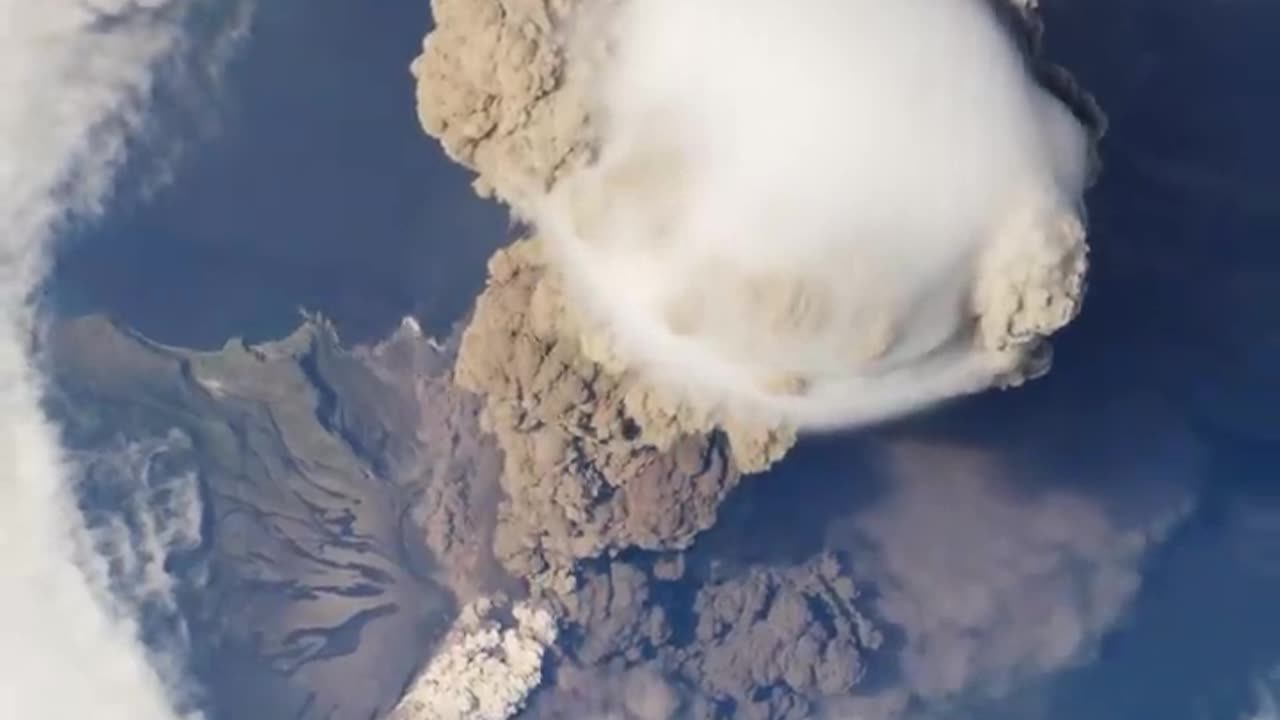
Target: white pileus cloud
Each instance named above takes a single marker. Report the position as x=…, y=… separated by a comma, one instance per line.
x=823, y=212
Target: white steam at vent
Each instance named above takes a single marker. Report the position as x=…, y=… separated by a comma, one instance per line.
x=821, y=212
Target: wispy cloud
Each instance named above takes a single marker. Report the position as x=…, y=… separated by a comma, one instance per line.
x=75, y=76
x=147, y=511
x=1267, y=697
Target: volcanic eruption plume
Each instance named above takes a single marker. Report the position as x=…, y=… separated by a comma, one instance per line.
x=745, y=219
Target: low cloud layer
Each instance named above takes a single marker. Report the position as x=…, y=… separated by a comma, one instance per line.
x=880, y=211
x=144, y=510
x=76, y=76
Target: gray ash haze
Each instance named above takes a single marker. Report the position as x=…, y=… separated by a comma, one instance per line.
x=580, y=359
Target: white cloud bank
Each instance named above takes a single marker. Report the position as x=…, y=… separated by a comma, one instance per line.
x=827, y=212
x=74, y=75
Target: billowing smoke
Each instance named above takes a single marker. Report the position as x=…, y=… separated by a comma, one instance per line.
x=76, y=74
x=488, y=667
x=752, y=218
x=820, y=213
